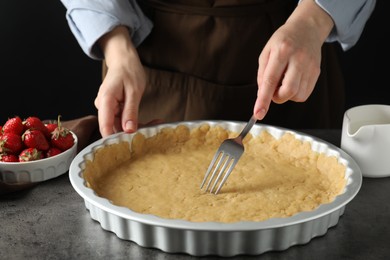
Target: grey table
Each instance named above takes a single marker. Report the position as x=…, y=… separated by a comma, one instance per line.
x=50, y=221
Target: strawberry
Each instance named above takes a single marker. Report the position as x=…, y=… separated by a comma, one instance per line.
x=33, y=122
x=30, y=154
x=10, y=143
x=34, y=138
x=13, y=125
x=51, y=127
x=53, y=151
x=61, y=137
x=9, y=158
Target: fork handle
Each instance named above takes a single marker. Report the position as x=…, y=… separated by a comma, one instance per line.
x=248, y=126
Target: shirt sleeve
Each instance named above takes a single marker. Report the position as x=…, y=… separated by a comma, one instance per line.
x=91, y=19
x=350, y=17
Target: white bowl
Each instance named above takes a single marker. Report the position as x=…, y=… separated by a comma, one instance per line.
x=212, y=238
x=39, y=170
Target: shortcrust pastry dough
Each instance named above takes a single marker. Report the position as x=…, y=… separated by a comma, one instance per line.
x=161, y=175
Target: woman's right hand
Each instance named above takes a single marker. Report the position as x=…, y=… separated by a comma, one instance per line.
x=120, y=93
x=290, y=62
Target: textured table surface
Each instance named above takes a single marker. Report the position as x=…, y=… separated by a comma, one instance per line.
x=50, y=221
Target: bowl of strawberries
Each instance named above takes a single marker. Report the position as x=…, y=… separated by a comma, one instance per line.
x=33, y=151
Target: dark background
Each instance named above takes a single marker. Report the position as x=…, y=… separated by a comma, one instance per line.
x=40, y=57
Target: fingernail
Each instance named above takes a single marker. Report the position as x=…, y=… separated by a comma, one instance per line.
x=260, y=113
x=130, y=126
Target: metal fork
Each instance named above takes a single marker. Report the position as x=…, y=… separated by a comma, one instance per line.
x=228, y=153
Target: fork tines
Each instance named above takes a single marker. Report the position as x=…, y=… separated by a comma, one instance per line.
x=223, y=168
x=227, y=155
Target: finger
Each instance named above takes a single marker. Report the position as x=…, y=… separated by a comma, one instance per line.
x=310, y=85
x=268, y=82
x=263, y=60
x=106, y=117
x=303, y=93
x=307, y=85
x=290, y=86
x=130, y=110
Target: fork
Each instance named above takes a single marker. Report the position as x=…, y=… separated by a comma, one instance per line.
x=228, y=154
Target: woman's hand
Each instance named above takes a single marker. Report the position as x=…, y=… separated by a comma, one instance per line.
x=123, y=86
x=289, y=64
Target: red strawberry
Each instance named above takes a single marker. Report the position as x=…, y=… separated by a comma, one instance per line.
x=34, y=138
x=33, y=122
x=30, y=154
x=9, y=158
x=13, y=125
x=61, y=137
x=10, y=143
x=51, y=126
x=53, y=151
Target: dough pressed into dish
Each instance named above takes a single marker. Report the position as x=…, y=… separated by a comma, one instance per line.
x=161, y=175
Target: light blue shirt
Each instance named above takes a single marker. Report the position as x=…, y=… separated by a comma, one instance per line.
x=91, y=19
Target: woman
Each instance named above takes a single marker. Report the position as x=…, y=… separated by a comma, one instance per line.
x=218, y=59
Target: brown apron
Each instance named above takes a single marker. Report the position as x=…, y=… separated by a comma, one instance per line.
x=201, y=60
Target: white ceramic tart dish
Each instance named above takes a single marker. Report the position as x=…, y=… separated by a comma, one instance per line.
x=214, y=238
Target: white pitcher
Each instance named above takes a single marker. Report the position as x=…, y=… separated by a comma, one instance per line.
x=366, y=138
